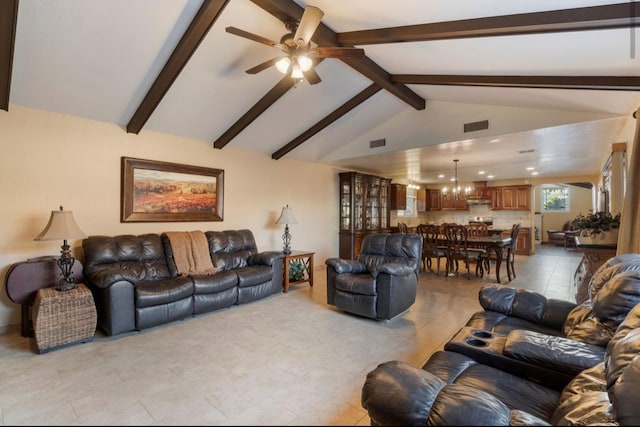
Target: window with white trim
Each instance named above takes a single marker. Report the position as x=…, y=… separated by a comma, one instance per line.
x=555, y=198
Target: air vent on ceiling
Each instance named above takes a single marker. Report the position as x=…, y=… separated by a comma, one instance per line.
x=377, y=143
x=475, y=126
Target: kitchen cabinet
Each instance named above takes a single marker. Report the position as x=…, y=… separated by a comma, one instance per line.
x=421, y=200
x=495, y=193
x=511, y=197
x=516, y=198
x=398, y=197
x=434, y=200
x=364, y=209
x=451, y=203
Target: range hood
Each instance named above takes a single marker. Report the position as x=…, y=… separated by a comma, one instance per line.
x=476, y=202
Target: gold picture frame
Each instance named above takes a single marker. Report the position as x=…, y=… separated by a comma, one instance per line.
x=155, y=191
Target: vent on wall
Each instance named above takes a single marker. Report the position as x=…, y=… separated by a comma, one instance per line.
x=377, y=143
x=475, y=126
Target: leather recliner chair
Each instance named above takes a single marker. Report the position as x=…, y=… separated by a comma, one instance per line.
x=382, y=282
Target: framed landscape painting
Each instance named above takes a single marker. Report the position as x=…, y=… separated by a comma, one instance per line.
x=160, y=191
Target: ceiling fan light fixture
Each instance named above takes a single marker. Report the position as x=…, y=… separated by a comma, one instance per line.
x=304, y=62
x=296, y=73
x=283, y=64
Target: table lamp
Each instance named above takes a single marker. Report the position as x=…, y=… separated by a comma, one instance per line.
x=286, y=218
x=62, y=226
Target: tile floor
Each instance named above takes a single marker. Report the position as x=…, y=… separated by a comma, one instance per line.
x=286, y=360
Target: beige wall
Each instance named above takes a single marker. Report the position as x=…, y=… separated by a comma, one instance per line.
x=51, y=159
x=581, y=200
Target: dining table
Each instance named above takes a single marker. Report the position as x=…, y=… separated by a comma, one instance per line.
x=494, y=243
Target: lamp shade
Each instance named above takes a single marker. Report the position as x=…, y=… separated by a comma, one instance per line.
x=61, y=226
x=286, y=217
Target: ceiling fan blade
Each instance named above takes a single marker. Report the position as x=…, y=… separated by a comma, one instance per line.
x=256, y=38
x=263, y=66
x=308, y=25
x=336, y=52
x=312, y=77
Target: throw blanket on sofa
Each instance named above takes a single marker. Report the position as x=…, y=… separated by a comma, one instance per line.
x=191, y=252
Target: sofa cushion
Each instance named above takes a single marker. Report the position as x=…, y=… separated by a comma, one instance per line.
x=156, y=292
x=209, y=284
x=253, y=275
x=363, y=284
x=516, y=392
x=141, y=256
x=611, y=267
x=382, y=248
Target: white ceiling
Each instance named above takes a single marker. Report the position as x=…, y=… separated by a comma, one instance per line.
x=97, y=59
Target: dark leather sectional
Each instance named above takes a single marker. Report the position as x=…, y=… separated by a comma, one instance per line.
x=526, y=360
x=136, y=285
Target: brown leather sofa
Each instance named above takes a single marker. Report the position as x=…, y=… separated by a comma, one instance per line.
x=136, y=285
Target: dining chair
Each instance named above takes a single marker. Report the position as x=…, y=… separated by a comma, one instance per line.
x=403, y=228
x=507, y=253
x=430, y=245
x=478, y=230
x=444, y=225
x=458, y=250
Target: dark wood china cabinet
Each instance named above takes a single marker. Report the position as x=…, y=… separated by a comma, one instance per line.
x=364, y=208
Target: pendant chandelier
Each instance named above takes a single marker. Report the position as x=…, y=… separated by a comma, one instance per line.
x=457, y=193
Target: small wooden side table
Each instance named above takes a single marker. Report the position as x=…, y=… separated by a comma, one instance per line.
x=62, y=318
x=306, y=262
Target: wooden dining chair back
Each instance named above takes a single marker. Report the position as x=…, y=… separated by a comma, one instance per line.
x=430, y=245
x=403, y=228
x=511, y=251
x=458, y=249
x=445, y=225
x=477, y=230
x=508, y=254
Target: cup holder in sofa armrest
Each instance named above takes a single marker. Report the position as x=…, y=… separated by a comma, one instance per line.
x=481, y=334
x=476, y=342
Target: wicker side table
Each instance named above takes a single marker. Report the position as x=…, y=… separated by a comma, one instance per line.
x=61, y=318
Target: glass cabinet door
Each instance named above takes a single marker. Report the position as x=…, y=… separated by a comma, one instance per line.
x=373, y=205
x=358, y=205
x=384, y=205
x=345, y=206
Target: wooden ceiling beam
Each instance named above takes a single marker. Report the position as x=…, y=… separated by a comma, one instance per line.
x=324, y=36
x=625, y=83
x=332, y=117
x=621, y=15
x=207, y=15
x=247, y=118
x=8, y=24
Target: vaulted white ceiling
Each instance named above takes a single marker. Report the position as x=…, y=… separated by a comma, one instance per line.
x=98, y=59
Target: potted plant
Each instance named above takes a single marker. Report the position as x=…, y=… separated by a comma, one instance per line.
x=596, y=223
x=296, y=270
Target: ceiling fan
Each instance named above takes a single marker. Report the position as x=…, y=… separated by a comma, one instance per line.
x=298, y=59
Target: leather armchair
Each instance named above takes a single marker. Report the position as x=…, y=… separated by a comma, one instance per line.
x=557, y=237
x=382, y=282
